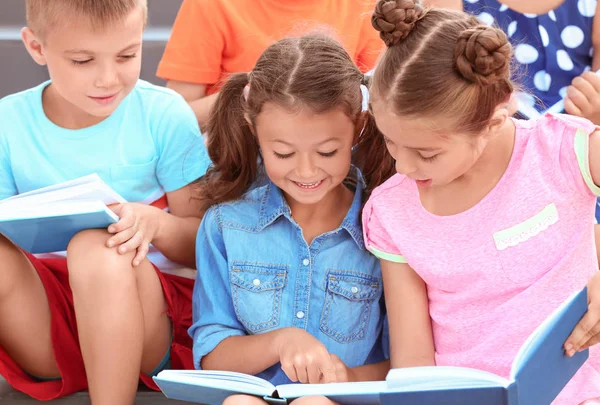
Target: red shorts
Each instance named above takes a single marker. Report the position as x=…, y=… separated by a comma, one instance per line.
x=54, y=276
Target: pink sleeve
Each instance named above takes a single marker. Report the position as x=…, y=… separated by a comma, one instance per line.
x=377, y=238
x=574, y=152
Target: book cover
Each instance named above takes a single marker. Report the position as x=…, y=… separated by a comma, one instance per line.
x=45, y=220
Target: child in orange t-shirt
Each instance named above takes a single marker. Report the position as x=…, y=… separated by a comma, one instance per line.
x=212, y=38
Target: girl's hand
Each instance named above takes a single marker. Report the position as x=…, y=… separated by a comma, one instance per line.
x=135, y=230
x=587, y=331
x=303, y=358
x=583, y=97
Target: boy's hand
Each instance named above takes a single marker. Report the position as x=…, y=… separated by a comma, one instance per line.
x=135, y=230
x=303, y=358
x=583, y=97
x=587, y=331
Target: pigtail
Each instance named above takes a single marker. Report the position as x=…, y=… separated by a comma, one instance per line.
x=372, y=157
x=231, y=147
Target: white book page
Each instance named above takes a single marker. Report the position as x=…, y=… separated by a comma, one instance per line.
x=86, y=188
x=226, y=380
x=440, y=378
x=300, y=390
x=61, y=208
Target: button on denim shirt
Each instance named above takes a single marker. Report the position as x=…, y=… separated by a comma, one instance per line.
x=257, y=274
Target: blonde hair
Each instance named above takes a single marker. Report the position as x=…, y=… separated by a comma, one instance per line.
x=43, y=15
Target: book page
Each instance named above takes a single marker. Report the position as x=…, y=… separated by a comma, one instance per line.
x=220, y=380
x=441, y=378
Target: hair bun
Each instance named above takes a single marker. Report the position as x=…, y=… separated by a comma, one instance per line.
x=395, y=19
x=483, y=55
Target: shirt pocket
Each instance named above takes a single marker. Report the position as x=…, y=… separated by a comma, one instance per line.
x=349, y=298
x=137, y=180
x=527, y=251
x=256, y=291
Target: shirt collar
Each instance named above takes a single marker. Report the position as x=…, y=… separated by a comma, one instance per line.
x=273, y=205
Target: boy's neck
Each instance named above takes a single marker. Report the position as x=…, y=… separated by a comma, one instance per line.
x=64, y=114
x=324, y=216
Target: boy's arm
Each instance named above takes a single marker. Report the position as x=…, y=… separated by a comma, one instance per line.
x=411, y=337
x=176, y=236
x=195, y=95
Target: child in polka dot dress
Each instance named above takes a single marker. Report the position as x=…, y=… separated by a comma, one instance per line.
x=553, y=48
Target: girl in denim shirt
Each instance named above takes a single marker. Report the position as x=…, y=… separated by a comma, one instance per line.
x=288, y=291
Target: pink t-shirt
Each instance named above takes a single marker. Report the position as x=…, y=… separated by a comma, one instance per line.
x=495, y=271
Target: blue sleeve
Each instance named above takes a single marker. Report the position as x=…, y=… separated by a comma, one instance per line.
x=182, y=154
x=8, y=188
x=212, y=305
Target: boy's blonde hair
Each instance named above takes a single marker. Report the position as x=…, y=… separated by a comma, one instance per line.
x=42, y=15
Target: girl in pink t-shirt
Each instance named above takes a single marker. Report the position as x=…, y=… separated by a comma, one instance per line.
x=488, y=224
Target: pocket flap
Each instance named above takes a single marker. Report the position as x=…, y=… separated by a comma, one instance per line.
x=353, y=285
x=258, y=276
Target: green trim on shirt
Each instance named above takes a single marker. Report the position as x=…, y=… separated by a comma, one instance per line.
x=582, y=150
x=390, y=257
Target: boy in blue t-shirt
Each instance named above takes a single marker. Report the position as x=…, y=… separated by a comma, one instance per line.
x=106, y=311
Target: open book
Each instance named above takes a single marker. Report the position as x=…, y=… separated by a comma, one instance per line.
x=46, y=219
x=540, y=371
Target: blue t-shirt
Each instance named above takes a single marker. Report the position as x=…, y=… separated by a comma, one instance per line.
x=550, y=49
x=150, y=145
x=260, y=275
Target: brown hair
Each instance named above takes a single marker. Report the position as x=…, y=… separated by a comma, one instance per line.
x=440, y=64
x=313, y=71
x=43, y=15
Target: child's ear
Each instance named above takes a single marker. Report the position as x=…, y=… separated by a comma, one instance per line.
x=359, y=126
x=33, y=45
x=501, y=114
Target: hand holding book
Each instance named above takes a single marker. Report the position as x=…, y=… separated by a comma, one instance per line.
x=587, y=331
x=135, y=230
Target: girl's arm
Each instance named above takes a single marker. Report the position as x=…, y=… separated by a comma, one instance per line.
x=370, y=372
x=411, y=337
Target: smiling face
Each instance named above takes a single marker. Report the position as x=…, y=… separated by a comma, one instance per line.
x=92, y=70
x=424, y=151
x=306, y=155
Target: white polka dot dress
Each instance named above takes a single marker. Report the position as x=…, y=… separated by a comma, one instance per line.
x=550, y=49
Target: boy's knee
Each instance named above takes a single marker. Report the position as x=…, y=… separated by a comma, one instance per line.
x=14, y=266
x=92, y=264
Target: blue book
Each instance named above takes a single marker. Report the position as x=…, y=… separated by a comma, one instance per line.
x=539, y=372
x=45, y=220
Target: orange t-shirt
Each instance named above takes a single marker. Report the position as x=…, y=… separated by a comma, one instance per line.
x=211, y=38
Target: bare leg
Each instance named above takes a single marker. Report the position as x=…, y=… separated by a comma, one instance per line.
x=121, y=317
x=243, y=400
x=314, y=401
x=24, y=314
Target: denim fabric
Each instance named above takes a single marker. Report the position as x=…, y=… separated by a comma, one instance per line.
x=257, y=274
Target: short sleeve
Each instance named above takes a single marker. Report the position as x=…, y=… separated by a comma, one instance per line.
x=377, y=237
x=214, y=318
x=574, y=152
x=194, y=51
x=370, y=46
x=182, y=154
x=8, y=188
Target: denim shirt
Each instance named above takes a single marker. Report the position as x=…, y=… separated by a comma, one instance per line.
x=257, y=274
